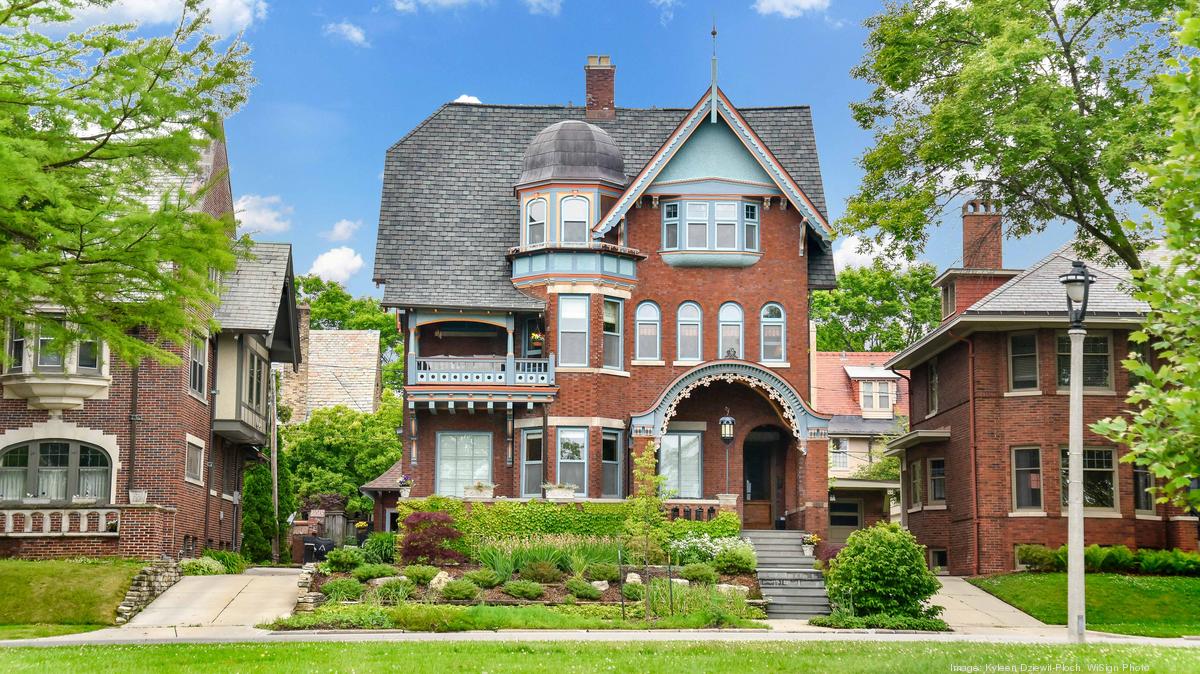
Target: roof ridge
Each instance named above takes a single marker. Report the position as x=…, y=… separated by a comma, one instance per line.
x=568, y=106
x=1023, y=275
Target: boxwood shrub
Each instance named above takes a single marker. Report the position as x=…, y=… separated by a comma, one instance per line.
x=371, y=571
x=736, y=559
x=633, y=591
x=524, y=589
x=699, y=573
x=541, y=572
x=345, y=558
x=603, y=571
x=484, y=578
x=880, y=622
x=460, y=589
x=581, y=589
x=882, y=570
x=420, y=574
x=395, y=591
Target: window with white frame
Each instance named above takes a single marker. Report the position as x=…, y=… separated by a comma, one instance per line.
x=610, y=463
x=194, y=463
x=840, y=457
x=649, y=325
x=773, y=333
x=948, y=301
x=462, y=460
x=87, y=360
x=697, y=225
x=680, y=459
x=573, y=330
x=16, y=346
x=1022, y=361
x=671, y=226
x=876, y=395
x=937, y=480
x=535, y=222
x=1143, y=481
x=574, y=220
x=1097, y=361
x=931, y=387
x=1099, y=478
x=51, y=353
x=531, y=462
x=750, y=221
x=614, y=333
x=688, y=329
x=731, y=330
x=1027, y=478
x=914, y=484
x=198, y=366
x=41, y=351
x=726, y=226
x=573, y=458
x=58, y=470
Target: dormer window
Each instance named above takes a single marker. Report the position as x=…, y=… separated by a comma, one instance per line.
x=574, y=220
x=535, y=223
x=710, y=226
x=876, y=396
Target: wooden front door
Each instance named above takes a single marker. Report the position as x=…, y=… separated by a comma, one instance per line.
x=760, y=474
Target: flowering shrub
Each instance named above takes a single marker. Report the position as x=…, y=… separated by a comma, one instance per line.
x=696, y=547
x=201, y=566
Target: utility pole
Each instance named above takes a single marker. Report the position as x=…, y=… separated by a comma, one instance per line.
x=275, y=469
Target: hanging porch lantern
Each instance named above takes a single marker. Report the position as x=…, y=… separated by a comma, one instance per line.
x=726, y=424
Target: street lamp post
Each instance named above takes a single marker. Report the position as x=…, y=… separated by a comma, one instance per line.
x=1077, y=283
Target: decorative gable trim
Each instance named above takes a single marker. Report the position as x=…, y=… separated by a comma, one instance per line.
x=637, y=187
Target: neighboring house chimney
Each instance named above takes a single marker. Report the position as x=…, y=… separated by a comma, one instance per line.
x=601, y=77
x=294, y=392
x=983, y=236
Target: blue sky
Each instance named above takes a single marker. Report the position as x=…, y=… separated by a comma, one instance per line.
x=340, y=81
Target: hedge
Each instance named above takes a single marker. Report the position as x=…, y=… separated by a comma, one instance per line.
x=521, y=519
x=1115, y=559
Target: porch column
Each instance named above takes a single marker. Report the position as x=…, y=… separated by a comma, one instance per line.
x=412, y=348
x=510, y=363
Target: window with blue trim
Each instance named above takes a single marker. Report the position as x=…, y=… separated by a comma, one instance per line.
x=649, y=332
x=671, y=226
x=730, y=334
x=750, y=224
x=574, y=220
x=535, y=222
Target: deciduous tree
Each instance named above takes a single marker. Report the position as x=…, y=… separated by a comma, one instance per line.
x=876, y=308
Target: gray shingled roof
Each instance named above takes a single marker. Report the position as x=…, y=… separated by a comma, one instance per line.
x=343, y=369
x=448, y=214
x=250, y=301
x=848, y=424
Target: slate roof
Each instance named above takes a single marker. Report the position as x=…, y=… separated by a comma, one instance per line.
x=386, y=481
x=834, y=391
x=343, y=369
x=252, y=292
x=448, y=214
x=849, y=424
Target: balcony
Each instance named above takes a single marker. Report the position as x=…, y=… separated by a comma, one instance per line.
x=480, y=370
x=246, y=426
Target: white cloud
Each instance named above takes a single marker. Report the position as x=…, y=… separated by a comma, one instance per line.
x=468, y=98
x=342, y=230
x=348, y=32
x=227, y=16
x=666, y=9
x=847, y=254
x=262, y=215
x=404, y=5
x=790, y=9
x=408, y=6
x=551, y=7
x=337, y=264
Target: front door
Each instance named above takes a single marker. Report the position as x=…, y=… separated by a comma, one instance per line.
x=763, y=480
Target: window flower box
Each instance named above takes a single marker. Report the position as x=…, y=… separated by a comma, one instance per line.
x=559, y=491
x=137, y=497
x=479, y=490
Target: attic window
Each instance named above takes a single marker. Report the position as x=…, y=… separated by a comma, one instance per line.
x=948, y=301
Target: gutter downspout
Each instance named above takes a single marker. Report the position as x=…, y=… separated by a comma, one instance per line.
x=971, y=436
x=212, y=442
x=133, y=419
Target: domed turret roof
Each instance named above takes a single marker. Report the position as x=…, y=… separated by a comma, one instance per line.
x=573, y=150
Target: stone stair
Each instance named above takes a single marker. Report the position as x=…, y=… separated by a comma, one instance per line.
x=795, y=589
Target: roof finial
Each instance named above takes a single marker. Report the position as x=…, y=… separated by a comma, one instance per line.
x=713, y=117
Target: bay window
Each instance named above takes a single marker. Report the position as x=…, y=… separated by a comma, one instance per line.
x=535, y=222
x=58, y=470
x=531, y=463
x=614, y=333
x=680, y=463
x=750, y=220
x=572, y=458
x=726, y=226
x=697, y=225
x=574, y=220
x=671, y=226
x=16, y=346
x=1099, y=479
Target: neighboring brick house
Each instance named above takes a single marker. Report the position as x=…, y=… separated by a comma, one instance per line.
x=867, y=402
x=983, y=461
x=340, y=367
x=576, y=282
x=98, y=458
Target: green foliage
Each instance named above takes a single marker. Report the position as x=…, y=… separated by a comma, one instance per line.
x=1093, y=558
x=497, y=560
x=541, y=572
x=332, y=308
x=258, y=512
x=394, y=591
x=334, y=617
x=372, y=571
x=735, y=560
x=646, y=532
x=524, y=589
x=338, y=450
x=459, y=590
x=877, y=308
x=201, y=566
x=581, y=589
x=880, y=621
x=485, y=578
x=420, y=574
x=345, y=558
x=603, y=571
x=232, y=561
x=1042, y=107
x=1038, y=558
x=576, y=564
x=91, y=121
x=1117, y=559
x=633, y=591
x=882, y=569
x=381, y=545
x=718, y=607
x=342, y=589
x=724, y=525
x=883, y=469
x=1162, y=428
x=699, y=573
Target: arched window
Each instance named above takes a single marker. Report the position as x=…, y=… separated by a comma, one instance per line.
x=730, y=335
x=58, y=470
x=574, y=220
x=688, y=330
x=773, y=332
x=648, y=332
x=535, y=222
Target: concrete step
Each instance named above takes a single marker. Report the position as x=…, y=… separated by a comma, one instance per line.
x=773, y=534
x=779, y=592
x=797, y=615
x=790, y=573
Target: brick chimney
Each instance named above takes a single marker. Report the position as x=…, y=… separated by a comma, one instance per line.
x=983, y=236
x=600, y=75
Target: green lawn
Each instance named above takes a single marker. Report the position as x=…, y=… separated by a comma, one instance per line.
x=570, y=656
x=37, y=631
x=61, y=592
x=1154, y=606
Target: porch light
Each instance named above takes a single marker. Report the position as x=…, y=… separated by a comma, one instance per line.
x=726, y=423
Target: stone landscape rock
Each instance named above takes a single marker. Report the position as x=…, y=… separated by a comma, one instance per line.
x=730, y=589
x=681, y=581
x=601, y=585
x=633, y=578
x=376, y=582
x=439, y=581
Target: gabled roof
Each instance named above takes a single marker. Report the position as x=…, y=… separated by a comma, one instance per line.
x=343, y=369
x=448, y=215
x=386, y=481
x=253, y=291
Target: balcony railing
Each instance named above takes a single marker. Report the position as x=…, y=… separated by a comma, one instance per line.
x=481, y=370
x=60, y=521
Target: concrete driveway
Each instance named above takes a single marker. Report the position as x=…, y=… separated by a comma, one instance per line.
x=251, y=598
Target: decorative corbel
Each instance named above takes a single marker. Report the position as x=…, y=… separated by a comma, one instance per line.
x=766, y=203
x=654, y=201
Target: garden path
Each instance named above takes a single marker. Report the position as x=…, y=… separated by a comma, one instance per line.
x=967, y=607
x=256, y=596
